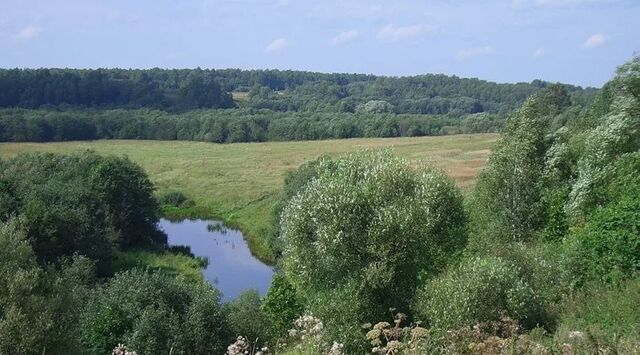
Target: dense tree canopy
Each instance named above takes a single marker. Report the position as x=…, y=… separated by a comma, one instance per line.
x=177, y=89
x=228, y=126
x=184, y=89
x=79, y=203
x=45, y=105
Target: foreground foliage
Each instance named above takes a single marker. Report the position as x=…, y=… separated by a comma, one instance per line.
x=370, y=226
x=155, y=314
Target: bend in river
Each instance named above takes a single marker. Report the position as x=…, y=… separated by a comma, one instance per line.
x=231, y=269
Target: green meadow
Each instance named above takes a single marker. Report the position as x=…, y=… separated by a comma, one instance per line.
x=240, y=183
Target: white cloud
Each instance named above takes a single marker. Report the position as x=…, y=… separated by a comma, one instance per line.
x=389, y=32
x=539, y=52
x=474, y=52
x=276, y=45
x=344, y=37
x=27, y=33
x=595, y=40
x=281, y=3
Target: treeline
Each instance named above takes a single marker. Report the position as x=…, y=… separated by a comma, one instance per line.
x=164, y=89
x=228, y=126
x=186, y=89
x=424, y=94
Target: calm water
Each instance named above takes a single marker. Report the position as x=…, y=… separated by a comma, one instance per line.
x=232, y=268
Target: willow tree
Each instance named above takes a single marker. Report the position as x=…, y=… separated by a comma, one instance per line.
x=359, y=236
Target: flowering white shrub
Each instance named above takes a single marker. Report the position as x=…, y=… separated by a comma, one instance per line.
x=336, y=349
x=616, y=134
x=243, y=347
x=399, y=339
x=308, y=325
x=121, y=349
x=308, y=333
x=308, y=337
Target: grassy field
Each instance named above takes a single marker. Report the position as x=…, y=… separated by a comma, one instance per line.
x=169, y=263
x=239, y=183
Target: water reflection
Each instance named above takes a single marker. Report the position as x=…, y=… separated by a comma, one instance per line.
x=232, y=268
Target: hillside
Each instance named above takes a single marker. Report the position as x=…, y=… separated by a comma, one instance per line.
x=299, y=91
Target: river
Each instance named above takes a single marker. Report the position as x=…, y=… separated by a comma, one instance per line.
x=232, y=269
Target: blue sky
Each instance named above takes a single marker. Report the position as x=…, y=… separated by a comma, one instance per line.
x=573, y=41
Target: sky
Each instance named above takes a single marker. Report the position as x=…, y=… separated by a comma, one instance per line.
x=579, y=42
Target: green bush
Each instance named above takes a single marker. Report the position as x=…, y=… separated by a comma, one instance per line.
x=557, y=225
x=546, y=267
x=294, y=182
x=607, y=247
x=246, y=317
x=371, y=222
x=616, y=134
x=125, y=189
x=478, y=290
x=80, y=203
x=281, y=306
x=39, y=308
x=152, y=313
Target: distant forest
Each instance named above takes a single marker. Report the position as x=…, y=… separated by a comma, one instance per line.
x=198, y=104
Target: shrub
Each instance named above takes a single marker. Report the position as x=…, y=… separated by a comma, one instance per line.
x=80, y=203
x=369, y=224
x=155, y=314
x=294, y=182
x=478, y=290
x=616, y=134
x=608, y=247
x=127, y=192
x=557, y=225
x=39, y=308
x=246, y=317
x=174, y=199
x=61, y=220
x=281, y=306
x=603, y=319
x=547, y=269
x=308, y=336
